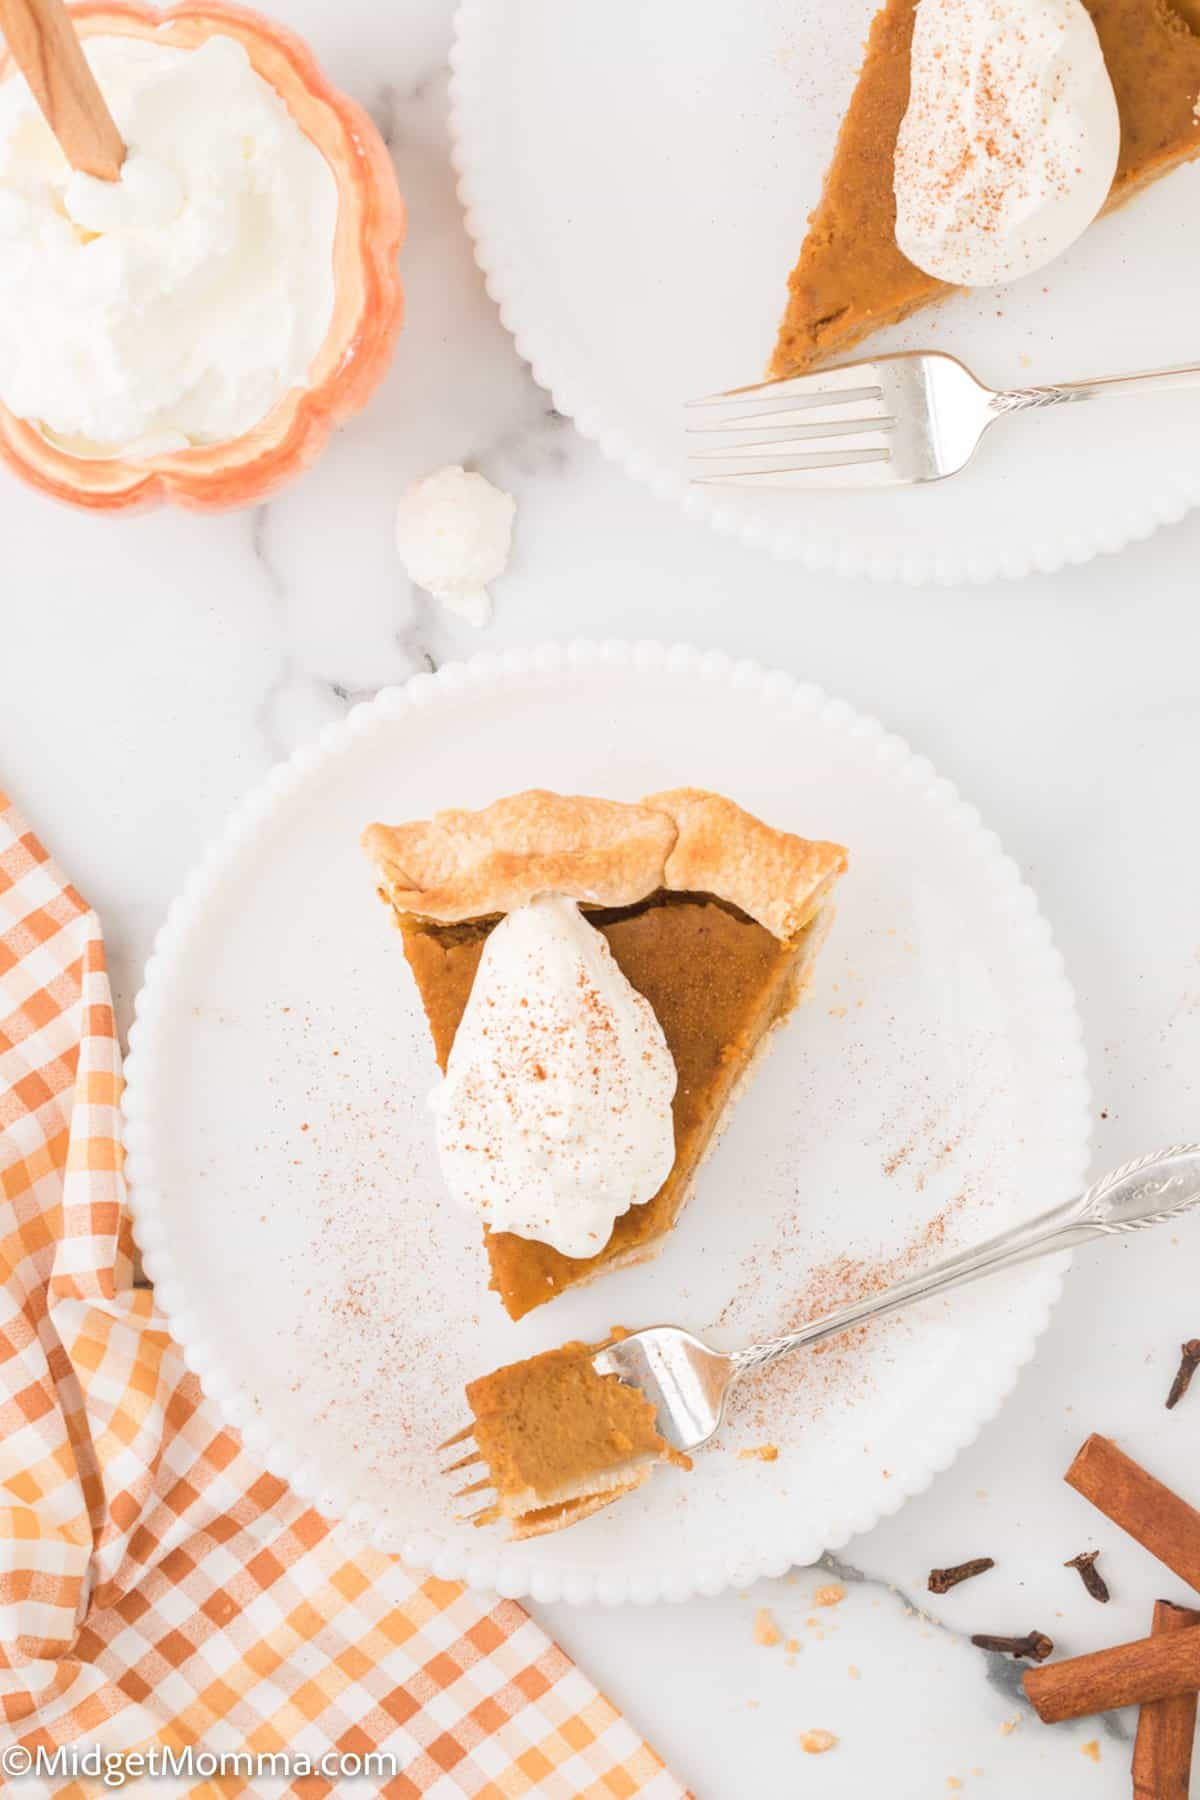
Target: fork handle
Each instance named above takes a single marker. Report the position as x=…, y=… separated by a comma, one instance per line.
x=1067, y=392
x=1132, y=1198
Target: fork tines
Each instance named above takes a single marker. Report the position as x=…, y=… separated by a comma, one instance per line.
x=472, y=1460
x=830, y=428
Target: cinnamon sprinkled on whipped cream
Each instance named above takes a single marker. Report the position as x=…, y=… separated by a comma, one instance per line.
x=1009, y=145
x=554, y=1116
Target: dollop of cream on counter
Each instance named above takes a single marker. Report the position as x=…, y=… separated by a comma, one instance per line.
x=1009, y=145
x=174, y=306
x=454, y=533
x=554, y=1114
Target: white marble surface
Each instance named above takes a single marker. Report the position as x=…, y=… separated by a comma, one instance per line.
x=153, y=669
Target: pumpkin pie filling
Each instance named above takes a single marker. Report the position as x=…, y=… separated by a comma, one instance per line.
x=852, y=279
x=560, y=1441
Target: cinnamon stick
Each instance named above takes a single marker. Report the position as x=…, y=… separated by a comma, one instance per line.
x=1153, y=1668
x=1163, y=1523
x=45, y=47
x=1162, y=1753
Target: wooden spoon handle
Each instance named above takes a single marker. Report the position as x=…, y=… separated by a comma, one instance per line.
x=46, y=49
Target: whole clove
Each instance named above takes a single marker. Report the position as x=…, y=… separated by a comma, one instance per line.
x=1189, y=1361
x=942, y=1580
x=1034, y=1644
x=1089, y=1574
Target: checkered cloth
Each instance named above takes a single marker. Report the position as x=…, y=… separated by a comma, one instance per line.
x=156, y=1587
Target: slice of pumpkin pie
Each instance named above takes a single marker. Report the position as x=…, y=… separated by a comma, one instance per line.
x=852, y=279
x=707, y=914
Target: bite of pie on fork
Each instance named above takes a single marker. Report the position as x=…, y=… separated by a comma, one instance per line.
x=562, y=1434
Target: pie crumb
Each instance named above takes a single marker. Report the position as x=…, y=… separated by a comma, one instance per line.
x=854, y=1672
x=1011, y=1724
x=1091, y=1748
x=760, y=1453
x=833, y=1595
x=953, y=1782
x=766, y=1631
x=815, y=1743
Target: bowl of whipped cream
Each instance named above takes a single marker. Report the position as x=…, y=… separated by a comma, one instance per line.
x=193, y=331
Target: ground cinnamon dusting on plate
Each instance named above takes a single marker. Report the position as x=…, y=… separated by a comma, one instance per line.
x=838, y=1282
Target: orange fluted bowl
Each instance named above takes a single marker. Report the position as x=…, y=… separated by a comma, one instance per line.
x=368, y=298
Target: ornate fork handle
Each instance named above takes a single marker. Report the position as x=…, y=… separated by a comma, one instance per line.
x=1126, y=1199
x=1066, y=393
x=1131, y=1198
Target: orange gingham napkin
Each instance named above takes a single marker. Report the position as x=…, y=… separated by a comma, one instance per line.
x=156, y=1587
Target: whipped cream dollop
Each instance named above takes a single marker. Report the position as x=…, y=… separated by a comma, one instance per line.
x=1009, y=145
x=554, y=1114
x=454, y=532
x=174, y=306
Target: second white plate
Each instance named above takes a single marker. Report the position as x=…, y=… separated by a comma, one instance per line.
x=637, y=179
x=286, y=1190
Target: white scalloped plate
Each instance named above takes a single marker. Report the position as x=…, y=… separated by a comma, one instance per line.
x=285, y=1188
x=636, y=179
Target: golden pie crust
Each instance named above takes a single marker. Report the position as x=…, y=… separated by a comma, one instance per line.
x=602, y=853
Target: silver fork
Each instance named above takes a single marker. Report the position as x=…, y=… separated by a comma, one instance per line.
x=900, y=419
x=689, y=1382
